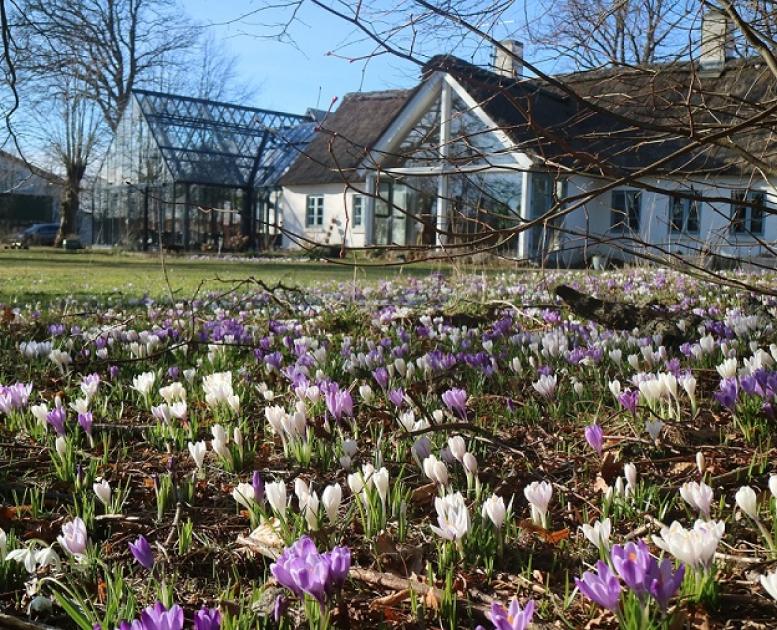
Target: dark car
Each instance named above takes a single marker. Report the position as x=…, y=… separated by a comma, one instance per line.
x=40, y=234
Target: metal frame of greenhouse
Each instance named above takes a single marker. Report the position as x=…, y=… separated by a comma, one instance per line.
x=190, y=174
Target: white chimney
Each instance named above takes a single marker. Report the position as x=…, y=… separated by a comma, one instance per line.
x=716, y=40
x=508, y=64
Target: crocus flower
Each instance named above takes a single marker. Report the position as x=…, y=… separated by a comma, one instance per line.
x=207, y=619
x=514, y=618
x=598, y=534
x=538, y=494
x=303, y=570
x=142, y=552
x=664, y=581
x=197, y=450
x=747, y=501
x=699, y=496
x=397, y=397
x=103, y=491
x=339, y=403
x=695, y=547
x=73, y=538
x=456, y=400
x=594, y=435
x=635, y=565
x=769, y=582
x=452, y=517
x=85, y=421
x=56, y=418
x=494, y=509
x=602, y=587
x=629, y=399
x=258, y=483
x=157, y=617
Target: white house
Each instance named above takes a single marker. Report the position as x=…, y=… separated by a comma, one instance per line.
x=476, y=158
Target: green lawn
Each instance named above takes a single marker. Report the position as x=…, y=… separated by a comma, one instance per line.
x=47, y=273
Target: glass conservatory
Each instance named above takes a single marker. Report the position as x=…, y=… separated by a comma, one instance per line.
x=194, y=174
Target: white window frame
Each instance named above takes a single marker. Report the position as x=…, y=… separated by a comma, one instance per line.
x=357, y=220
x=624, y=224
x=747, y=221
x=314, y=211
x=687, y=204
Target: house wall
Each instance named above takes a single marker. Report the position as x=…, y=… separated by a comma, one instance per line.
x=337, y=228
x=593, y=235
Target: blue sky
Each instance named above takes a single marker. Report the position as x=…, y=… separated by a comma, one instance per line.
x=294, y=76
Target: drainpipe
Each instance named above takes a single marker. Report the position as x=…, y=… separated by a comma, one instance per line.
x=442, y=182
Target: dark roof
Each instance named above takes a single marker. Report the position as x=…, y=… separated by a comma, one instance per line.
x=345, y=136
x=628, y=118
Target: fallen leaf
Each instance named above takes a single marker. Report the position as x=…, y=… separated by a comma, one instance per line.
x=552, y=538
x=424, y=494
x=264, y=540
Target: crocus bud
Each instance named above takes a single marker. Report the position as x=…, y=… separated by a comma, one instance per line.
x=61, y=445
x=747, y=501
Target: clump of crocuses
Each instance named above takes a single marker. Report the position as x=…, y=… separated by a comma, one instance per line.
x=646, y=580
x=305, y=571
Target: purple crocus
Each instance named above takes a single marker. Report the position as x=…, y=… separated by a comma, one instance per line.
x=397, y=397
x=664, y=582
x=157, y=617
x=85, y=421
x=727, y=396
x=303, y=570
x=629, y=399
x=207, y=619
x=339, y=402
x=258, y=483
x=381, y=377
x=56, y=418
x=514, y=618
x=601, y=587
x=456, y=400
x=635, y=565
x=594, y=435
x=142, y=552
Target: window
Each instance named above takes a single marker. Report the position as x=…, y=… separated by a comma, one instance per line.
x=357, y=211
x=747, y=211
x=625, y=211
x=684, y=215
x=314, y=213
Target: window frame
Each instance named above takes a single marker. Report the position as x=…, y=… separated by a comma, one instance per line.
x=747, y=195
x=621, y=220
x=686, y=214
x=314, y=214
x=357, y=220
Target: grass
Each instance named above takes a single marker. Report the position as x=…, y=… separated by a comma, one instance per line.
x=42, y=273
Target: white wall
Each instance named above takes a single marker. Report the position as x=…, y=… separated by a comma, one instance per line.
x=593, y=218
x=337, y=227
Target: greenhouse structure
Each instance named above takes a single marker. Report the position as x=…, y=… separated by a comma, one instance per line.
x=194, y=174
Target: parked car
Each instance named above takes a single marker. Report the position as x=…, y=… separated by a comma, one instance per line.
x=40, y=234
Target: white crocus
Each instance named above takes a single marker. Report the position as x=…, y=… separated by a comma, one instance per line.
x=699, y=496
x=142, y=383
x=243, y=493
x=727, y=369
x=331, y=497
x=276, y=497
x=747, y=501
x=381, y=480
x=773, y=485
x=457, y=446
x=696, y=547
x=494, y=509
x=103, y=491
x=452, y=517
x=197, y=450
x=598, y=534
x=654, y=427
x=769, y=582
x=538, y=494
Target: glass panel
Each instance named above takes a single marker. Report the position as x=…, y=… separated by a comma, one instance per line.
x=398, y=219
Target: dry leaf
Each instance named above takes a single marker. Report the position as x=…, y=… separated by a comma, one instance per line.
x=264, y=540
x=392, y=599
x=431, y=600
x=424, y=494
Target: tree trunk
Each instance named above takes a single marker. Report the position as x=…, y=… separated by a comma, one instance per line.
x=71, y=204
